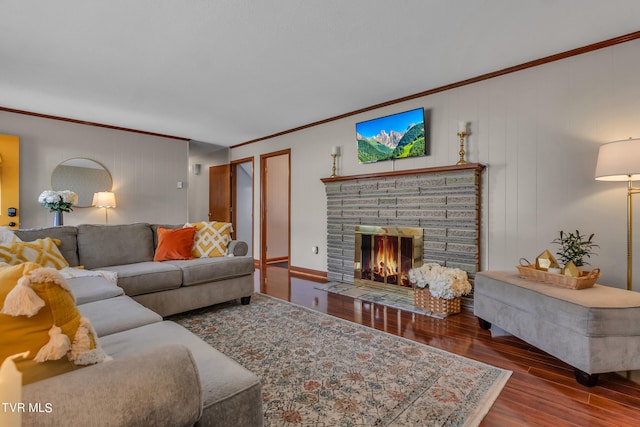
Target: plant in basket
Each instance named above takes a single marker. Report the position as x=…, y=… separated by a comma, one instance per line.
x=575, y=248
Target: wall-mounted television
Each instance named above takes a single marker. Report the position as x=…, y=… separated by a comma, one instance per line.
x=397, y=136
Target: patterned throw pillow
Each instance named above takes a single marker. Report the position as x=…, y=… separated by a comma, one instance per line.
x=41, y=251
x=38, y=314
x=212, y=238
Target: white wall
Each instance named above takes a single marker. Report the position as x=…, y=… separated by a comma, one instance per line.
x=244, y=202
x=145, y=170
x=206, y=155
x=537, y=130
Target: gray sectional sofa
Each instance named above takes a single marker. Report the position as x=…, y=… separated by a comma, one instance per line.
x=161, y=374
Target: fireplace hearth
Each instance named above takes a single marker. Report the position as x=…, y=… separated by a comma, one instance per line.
x=384, y=256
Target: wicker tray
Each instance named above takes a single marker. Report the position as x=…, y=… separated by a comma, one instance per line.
x=423, y=299
x=587, y=280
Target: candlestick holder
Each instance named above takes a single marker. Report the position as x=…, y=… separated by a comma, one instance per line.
x=333, y=170
x=462, y=135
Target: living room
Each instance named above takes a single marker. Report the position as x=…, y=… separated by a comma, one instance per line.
x=540, y=161
x=537, y=128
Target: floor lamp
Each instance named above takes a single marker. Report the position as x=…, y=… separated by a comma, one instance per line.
x=620, y=161
x=106, y=200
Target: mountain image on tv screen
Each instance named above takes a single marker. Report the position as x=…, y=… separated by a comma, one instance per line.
x=396, y=136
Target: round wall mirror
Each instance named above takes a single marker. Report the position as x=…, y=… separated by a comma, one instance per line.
x=82, y=176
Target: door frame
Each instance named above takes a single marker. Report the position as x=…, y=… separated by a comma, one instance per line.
x=263, y=205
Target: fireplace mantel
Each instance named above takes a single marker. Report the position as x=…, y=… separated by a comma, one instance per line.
x=478, y=167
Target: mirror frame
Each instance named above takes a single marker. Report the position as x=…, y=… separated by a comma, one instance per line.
x=82, y=202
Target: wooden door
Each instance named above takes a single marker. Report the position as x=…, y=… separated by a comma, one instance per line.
x=220, y=193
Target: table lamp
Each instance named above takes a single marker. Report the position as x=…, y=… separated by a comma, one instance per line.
x=106, y=200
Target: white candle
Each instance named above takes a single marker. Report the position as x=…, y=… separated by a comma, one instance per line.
x=462, y=127
x=335, y=150
x=11, y=392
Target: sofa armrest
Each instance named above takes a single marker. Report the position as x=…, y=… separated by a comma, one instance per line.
x=158, y=388
x=238, y=248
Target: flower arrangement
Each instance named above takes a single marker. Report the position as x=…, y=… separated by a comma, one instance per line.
x=58, y=201
x=443, y=282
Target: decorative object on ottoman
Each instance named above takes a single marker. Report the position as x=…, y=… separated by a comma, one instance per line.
x=39, y=315
x=545, y=261
x=586, y=279
x=438, y=289
x=58, y=202
x=575, y=248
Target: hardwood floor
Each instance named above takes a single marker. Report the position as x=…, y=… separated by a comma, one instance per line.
x=542, y=390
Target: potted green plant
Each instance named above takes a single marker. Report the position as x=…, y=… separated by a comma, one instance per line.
x=575, y=247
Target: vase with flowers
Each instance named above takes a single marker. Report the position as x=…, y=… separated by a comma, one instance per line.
x=58, y=202
x=438, y=289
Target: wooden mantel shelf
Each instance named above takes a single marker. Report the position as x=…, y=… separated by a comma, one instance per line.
x=478, y=167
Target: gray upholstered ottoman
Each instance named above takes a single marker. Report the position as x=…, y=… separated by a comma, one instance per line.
x=595, y=330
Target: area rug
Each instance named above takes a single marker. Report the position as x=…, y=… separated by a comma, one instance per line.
x=318, y=370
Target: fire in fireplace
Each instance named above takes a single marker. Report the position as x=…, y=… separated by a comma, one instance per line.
x=384, y=256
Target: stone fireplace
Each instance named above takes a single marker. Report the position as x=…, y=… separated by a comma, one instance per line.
x=442, y=202
x=384, y=256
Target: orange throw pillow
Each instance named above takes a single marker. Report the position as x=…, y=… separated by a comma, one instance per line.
x=174, y=243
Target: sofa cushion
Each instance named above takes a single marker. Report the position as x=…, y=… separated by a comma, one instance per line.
x=202, y=270
x=154, y=229
x=212, y=238
x=228, y=388
x=107, y=245
x=88, y=289
x=66, y=234
x=39, y=315
x=41, y=251
x=145, y=277
x=117, y=314
x=156, y=388
x=174, y=243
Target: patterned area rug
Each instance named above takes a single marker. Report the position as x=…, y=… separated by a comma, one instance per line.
x=318, y=370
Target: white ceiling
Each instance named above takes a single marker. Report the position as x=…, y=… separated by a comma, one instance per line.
x=230, y=71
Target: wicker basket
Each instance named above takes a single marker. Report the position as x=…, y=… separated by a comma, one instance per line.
x=587, y=280
x=423, y=298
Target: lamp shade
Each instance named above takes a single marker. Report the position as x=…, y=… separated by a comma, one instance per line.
x=104, y=199
x=619, y=161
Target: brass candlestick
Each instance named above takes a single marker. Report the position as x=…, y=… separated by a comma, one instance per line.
x=462, y=161
x=333, y=170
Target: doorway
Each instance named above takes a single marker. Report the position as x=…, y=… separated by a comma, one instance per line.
x=242, y=201
x=275, y=201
